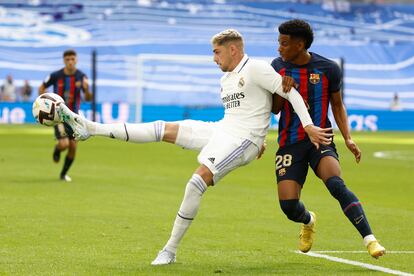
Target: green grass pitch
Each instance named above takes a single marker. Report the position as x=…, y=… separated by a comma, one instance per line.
x=118, y=211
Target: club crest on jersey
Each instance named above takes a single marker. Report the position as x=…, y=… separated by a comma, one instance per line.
x=314, y=78
x=282, y=172
x=78, y=84
x=241, y=83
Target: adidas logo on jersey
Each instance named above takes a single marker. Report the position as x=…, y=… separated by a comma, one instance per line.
x=211, y=159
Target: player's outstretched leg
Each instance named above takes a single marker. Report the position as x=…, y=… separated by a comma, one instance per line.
x=352, y=208
x=75, y=121
x=136, y=133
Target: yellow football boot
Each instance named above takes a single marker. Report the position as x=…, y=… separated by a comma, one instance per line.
x=375, y=249
x=306, y=235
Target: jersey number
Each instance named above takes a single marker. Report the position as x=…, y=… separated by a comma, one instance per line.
x=283, y=161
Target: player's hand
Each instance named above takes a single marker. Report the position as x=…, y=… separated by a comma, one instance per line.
x=354, y=149
x=319, y=135
x=287, y=83
x=262, y=150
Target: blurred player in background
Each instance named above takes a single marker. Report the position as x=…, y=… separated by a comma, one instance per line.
x=236, y=140
x=68, y=83
x=318, y=80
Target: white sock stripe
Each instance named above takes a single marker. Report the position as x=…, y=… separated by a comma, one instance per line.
x=159, y=130
x=197, y=185
x=183, y=217
x=200, y=179
x=155, y=131
x=231, y=154
x=196, y=182
x=160, y=126
x=126, y=132
x=234, y=155
x=202, y=184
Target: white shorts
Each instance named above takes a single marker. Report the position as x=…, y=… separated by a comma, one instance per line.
x=221, y=152
x=194, y=135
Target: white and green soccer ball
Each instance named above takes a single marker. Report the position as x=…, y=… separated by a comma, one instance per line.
x=45, y=109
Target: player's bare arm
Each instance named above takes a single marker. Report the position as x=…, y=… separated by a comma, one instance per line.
x=262, y=150
x=42, y=89
x=287, y=83
x=277, y=103
x=341, y=118
x=85, y=86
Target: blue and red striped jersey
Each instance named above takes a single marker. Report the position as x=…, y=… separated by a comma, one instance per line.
x=67, y=86
x=317, y=80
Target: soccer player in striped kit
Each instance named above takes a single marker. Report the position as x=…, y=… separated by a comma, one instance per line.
x=318, y=80
x=68, y=83
x=236, y=140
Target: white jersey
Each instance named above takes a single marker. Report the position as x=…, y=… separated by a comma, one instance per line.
x=246, y=93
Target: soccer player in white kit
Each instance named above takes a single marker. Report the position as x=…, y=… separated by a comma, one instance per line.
x=236, y=140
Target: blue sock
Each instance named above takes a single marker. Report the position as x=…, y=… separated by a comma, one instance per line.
x=295, y=210
x=350, y=204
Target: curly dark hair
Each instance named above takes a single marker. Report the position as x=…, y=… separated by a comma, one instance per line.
x=297, y=28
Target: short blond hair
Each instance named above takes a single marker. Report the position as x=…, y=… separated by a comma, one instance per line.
x=226, y=36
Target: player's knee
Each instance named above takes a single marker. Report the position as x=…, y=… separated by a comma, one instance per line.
x=336, y=186
x=293, y=209
x=63, y=144
x=205, y=174
x=170, y=131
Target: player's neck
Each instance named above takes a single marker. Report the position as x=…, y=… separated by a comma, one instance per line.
x=236, y=62
x=68, y=71
x=302, y=59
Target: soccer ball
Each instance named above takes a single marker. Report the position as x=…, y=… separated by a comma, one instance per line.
x=44, y=109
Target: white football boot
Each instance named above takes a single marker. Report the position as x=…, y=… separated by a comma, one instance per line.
x=66, y=178
x=164, y=257
x=78, y=123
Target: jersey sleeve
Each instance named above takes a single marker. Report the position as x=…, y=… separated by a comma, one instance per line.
x=276, y=65
x=299, y=106
x=50, y=80
x=267, y=78
x=335, y=78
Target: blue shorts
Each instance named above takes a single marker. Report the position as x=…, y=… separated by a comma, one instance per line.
x=292, y=161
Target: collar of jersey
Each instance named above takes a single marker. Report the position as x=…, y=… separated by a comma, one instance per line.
x=241, y=64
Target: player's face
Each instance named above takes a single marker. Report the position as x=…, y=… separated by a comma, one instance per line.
x=289, y=48
x=70, y=62
x=222, y=56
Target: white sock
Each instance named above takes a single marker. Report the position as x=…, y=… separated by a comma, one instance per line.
x=188, y=210
x=312, y=220
x=368, y=239
x=137, y=133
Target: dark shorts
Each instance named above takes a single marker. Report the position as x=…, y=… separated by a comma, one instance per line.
x=63, y=131
x=292, y=161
